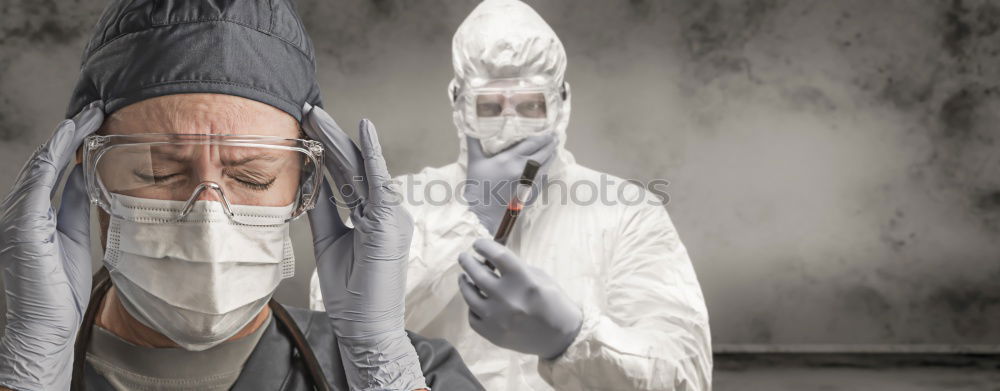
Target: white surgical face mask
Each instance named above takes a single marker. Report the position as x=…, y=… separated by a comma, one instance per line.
x=508, y=130
x=200, y=280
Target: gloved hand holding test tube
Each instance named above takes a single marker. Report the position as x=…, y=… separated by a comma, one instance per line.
x=522, y=193
x=547, y=320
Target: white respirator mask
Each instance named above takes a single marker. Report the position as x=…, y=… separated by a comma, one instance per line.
x=507, y=131
x=201, y=279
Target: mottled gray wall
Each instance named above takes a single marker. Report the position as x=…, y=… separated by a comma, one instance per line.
x=834, y=165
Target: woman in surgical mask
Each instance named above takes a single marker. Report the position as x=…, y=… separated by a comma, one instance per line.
x=202, y=136
x=195, y=193
x=197, y=220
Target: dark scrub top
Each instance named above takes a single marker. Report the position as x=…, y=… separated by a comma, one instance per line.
x=274, y=364
x=129, y=367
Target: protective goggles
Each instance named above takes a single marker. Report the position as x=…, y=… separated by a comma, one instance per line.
x=523, y=104
x=238, y=171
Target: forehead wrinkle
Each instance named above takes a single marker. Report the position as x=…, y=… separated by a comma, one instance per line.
x=208, y=116
x=201, y=114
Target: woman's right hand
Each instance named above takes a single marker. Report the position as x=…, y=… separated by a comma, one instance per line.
x=45, y=261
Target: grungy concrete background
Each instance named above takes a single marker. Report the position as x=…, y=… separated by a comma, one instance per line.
x=834, y=165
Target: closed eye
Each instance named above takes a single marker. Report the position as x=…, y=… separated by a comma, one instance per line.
x=155, y=178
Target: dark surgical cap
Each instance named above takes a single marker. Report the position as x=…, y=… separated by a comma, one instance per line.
x=256, y=49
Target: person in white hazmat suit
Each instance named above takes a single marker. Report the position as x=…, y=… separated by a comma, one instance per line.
x=590, y=295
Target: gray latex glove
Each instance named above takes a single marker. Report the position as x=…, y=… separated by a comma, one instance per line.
x=46, y=262
x=491, y=179
x=522, y=309
x=362, y=271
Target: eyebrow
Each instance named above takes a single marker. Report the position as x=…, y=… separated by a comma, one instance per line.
x=259, y=156
x=184, y=157
x=173, y=156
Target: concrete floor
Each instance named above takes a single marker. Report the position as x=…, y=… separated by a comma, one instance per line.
x=856, y=373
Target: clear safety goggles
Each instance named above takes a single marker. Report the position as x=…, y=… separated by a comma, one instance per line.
x=490, y=105
x=521, y=103
x=236, y=170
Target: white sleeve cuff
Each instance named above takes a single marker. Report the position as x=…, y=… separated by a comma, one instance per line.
x=577, y=349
